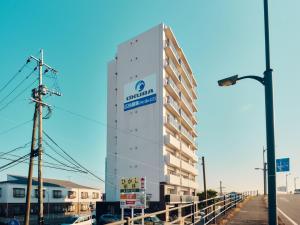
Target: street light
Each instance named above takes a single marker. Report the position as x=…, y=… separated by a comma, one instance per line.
x=295, y=184
x=267, y=82
x=286, y=182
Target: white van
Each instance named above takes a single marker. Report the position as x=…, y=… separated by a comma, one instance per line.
x=79, y=220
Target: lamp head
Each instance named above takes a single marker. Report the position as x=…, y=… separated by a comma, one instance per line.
x=228, y=81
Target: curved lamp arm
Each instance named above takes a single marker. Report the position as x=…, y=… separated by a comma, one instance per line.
x=259, y=79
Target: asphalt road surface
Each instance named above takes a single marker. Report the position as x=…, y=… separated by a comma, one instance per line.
x=289, y=208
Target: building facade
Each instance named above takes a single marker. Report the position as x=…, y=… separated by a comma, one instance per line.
x=60, y=197
x=152, y=116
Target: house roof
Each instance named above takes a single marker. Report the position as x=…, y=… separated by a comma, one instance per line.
x=15, y=179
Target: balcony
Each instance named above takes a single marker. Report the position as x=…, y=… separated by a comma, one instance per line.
x=171, y=141
x=172, y=52
x=186, y=136
x=189, y=152
x=189, y=183
x=194, y=93
x=188, y=168
x=171, y=123
x=172, y=70
x=186, y=89
x=172, y=88
x=186, y=105
x=172, y=105
x=172, y=179
x=187, y=75
x=172, y=160
x=186, y=120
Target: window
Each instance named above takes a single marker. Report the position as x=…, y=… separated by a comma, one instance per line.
x=71, y=208
x=58, y=208
x=95, y=195
x=71, y=194
x=0, y=192
x=19, y=192
x=84, y=195
x=57, y=194
x=36, y=193
x=84, y=207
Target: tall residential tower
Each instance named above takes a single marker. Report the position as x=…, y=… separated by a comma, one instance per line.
x=152, y=116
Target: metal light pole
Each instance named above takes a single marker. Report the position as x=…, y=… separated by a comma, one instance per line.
x=286, y=182
x=265, y=171
x=266, y=80
x=295, y=184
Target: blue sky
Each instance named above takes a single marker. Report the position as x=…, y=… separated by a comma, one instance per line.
x=219, y=38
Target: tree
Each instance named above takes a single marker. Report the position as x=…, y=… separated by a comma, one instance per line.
x=210, y=194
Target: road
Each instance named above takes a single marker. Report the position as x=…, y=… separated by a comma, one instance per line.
x=289, y=208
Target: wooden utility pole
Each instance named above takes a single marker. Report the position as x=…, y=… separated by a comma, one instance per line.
x=221, y=191
x=38, y=116
x=204, y=180
x=40, y=142
x=32, y=155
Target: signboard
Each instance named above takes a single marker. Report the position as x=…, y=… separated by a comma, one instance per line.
x=132, y=193
x=132, y=184
x=140, y=93
x=135, y=200
x=283, y=165
x=14, y=222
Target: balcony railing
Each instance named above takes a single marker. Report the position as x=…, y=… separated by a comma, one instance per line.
x=173, y=179
x=172, y=160
x=171, y=86
x=186, y=88
x=171, y=141
x=189, y=152
x=186, y=119
x=186, y=104
x=170, y=102
x=188, y=167
x=173, y=68
x=187, y=74
x=173, y=49
x=188, y=183
x=172, y=122
x=187, y=135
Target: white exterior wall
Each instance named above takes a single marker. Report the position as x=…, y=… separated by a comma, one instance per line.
x=139, y=131
x=135, y=138
x=7, y=194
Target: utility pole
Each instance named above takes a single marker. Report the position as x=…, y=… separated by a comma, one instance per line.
x=32, y=155
x=204, y=180
x=38, y=116
x=295, y=184
x=221, y=188
x=265, y=172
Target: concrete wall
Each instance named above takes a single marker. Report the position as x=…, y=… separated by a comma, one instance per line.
x=139, y=144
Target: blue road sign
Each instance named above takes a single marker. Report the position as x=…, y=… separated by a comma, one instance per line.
x=283, y=165
x=14, y=222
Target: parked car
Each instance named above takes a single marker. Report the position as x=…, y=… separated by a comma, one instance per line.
x=79, y=220
x=297, y=191
x=108, y=218
x=152, y=220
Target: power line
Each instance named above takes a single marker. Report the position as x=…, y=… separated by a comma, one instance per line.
x=63, y=164
x=18, y=85
x=14, y=161
x=53, y=149
x=15, y=75
x=99, y=178
x=15, y=127
x=15, y=149
x=50, y=165
x=18, y=95
x=106, y=125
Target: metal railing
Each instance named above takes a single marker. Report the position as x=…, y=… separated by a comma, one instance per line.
x=201, y=212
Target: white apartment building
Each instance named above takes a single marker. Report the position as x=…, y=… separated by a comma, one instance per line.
x=60, y=197
x=152, y=116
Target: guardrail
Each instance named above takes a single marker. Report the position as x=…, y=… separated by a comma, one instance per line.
x=201, y=213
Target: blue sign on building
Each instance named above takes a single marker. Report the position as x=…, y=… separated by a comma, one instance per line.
x=14, y=222
x=283, y=165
